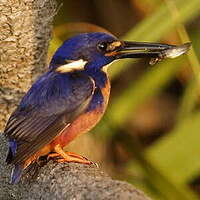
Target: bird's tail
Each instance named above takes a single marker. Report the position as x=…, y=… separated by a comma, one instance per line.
x=16, y=174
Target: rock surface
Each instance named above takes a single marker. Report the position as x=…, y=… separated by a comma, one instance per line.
x=64, y=182
x=25, y=30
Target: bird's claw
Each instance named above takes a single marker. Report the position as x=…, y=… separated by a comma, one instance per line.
x=70, y=157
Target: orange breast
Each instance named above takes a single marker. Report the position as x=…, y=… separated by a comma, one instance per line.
x=84, y=122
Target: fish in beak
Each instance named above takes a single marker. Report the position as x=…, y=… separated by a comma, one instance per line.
x=155, y=51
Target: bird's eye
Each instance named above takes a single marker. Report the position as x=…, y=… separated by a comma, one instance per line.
x=102, y=46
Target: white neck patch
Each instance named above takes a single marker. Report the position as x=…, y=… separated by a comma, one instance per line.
x=105, y=68
x=71, y=66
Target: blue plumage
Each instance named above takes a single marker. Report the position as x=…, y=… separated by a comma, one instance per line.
x=83, y=46
x=67, y=100
x=16, y=174
x=12, y=150
x=55, y=99
x=50, y=92
x=51, y=97
x=96, y=101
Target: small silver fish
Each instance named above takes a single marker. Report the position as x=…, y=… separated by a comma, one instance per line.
x=171, y=52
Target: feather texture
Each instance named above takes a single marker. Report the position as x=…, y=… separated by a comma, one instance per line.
x=48, y=107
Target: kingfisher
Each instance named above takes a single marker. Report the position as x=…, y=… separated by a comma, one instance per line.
x=71, y=97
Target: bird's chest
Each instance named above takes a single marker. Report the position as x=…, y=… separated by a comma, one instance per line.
x=90, y=118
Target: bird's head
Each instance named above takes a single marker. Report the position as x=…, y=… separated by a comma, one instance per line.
x=94, y=51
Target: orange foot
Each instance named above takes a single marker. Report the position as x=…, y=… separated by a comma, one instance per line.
x=62, y=156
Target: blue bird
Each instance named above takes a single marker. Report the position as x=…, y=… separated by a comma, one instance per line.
x=70, y=98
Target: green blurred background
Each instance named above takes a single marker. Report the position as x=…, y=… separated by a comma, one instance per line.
x=150, y=134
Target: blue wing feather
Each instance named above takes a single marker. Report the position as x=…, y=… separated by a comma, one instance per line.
x=51, y=103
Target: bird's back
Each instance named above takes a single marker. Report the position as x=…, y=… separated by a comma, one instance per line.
x=49, y=106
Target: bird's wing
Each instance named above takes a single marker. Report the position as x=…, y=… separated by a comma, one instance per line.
x=51, y=104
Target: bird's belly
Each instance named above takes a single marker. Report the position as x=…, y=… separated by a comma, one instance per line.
x=84, y=122
x=81, y=125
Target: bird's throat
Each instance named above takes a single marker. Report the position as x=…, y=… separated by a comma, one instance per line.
x=100, y=77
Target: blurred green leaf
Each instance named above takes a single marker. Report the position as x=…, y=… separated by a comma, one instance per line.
x=176, y=155
x=190, y=96
x=188, y=100
x=150, y=84
x=152, y=28
x=54, y=44
x=186, y=160
x=156, y=26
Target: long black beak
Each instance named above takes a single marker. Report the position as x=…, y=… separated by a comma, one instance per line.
x=150, y=50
